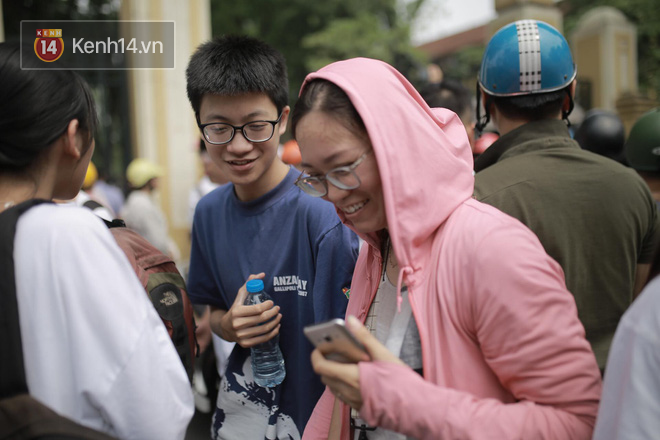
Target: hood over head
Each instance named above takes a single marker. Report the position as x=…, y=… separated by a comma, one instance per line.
x=423, y=155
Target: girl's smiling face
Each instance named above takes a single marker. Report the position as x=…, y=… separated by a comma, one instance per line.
x=325, y=144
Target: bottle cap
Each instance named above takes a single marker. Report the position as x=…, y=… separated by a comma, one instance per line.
x=254, y=286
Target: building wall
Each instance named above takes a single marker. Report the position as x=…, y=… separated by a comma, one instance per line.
x=588, y=52
x=605, y=50
x=163, y=126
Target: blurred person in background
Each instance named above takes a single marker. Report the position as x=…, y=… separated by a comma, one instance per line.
x=91, y=199
x=110, y=192
x=141, y=212
x=602, y=132
x=642, y=150
x=452, y=95
x=213, y=177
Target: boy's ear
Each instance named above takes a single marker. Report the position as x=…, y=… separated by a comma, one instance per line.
x=72, y=140
x=285, y=119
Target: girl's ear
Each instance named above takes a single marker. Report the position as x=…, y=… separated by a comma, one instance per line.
x=72, y=139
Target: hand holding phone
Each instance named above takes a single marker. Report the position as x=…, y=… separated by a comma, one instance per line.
x=335, y=341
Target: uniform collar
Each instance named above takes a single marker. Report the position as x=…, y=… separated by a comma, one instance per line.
x=524, y=137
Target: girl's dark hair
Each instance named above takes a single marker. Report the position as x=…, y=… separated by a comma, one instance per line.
x=37, y=106
x=329, y=98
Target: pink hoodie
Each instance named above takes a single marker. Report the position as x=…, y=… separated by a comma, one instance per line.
x=504, y=354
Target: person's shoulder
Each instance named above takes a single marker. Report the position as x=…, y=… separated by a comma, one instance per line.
x=60, y=215
x=491, y=246
x=494, y=184
x=618, y=176
x=598, y=160
x=61, y=220
x=483, y=218
x=474, y=225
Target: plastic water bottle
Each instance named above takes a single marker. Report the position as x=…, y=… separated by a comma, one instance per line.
x=267, y=360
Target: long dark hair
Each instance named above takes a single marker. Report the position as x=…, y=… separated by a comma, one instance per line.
x=36, y=108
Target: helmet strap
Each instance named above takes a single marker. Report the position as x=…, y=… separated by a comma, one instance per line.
x=482, y=121
x=571, y=104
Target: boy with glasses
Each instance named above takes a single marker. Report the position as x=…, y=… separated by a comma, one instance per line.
x=260, y=226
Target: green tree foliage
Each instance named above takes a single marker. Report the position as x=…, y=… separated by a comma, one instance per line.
x=15, y=11
x=313, y=34
x=645, y=14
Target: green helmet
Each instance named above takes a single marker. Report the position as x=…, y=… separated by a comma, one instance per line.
x=642, y=148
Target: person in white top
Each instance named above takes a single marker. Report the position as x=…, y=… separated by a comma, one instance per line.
x=213, y=177
x=94, y=348
x=141, y=212
x=630, y=404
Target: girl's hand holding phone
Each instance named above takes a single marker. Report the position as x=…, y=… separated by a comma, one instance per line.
x=342, y=378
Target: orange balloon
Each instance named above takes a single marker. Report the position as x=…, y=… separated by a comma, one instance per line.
x=291, y=153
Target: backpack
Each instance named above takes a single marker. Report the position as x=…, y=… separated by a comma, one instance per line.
x=165, y=287
x=21, y=415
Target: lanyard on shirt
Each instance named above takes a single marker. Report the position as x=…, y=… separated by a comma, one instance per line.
x=394, y=343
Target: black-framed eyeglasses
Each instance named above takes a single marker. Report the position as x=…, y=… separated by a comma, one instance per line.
x=341, y=177
x=220, y=133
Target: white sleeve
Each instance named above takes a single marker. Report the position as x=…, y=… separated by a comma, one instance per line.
x=122, y=362
x=630, y=404
x=151, y=396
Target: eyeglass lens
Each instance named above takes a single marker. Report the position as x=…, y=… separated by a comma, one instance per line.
x=221, y=133
x=343, y=178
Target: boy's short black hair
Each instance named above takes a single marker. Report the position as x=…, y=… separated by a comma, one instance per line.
x=234, y=65
x=532, y=107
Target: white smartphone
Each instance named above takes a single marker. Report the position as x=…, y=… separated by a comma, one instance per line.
x=335, y=341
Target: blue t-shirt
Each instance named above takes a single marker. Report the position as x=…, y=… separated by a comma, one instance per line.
x=308, y=256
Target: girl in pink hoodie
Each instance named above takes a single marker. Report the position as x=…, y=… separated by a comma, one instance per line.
x=474, y=333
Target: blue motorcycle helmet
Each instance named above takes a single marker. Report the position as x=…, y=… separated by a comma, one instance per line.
x=523, y=58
